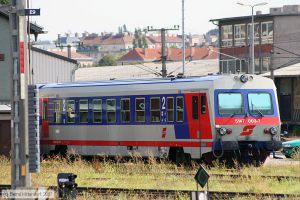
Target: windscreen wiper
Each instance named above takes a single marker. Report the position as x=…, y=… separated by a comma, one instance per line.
x=260, y=113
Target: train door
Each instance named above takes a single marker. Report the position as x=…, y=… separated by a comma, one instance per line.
x=45, y=122
x=199, y=124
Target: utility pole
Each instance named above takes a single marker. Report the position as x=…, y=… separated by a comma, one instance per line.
x=20, y=177
x=252, y=46
x=183, y=40
x=163, y=46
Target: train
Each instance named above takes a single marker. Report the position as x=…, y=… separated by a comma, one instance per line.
x=225, y=117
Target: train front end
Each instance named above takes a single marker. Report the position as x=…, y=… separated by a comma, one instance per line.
x=246, y=119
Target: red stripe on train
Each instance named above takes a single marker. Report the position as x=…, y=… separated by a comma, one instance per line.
x=126, y=143
x=247, y=121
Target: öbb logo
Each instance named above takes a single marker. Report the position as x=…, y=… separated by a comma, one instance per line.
x=247, y=130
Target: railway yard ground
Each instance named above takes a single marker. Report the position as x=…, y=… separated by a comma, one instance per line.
x=280, y=176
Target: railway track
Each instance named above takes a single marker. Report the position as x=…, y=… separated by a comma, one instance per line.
x=170, y=193
x=233, y=176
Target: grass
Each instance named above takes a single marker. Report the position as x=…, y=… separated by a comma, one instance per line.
x=154, y=174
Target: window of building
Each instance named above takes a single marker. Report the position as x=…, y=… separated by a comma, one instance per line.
x=57, y=108
x=140, y=114
x=257, y=66
x=265, y=64
x=230, y=103
x=97, y=111
x=111, y=110
x=256, y=33
x=170, y=109
x=83, y=111
x=155, y=109
x=179, y=109
x=262, y=65
x=195, y=107
x=240, y=35
x=125, y=110
x=233, y=66
x=71, y=112
x=226, y=35
x=267, y=32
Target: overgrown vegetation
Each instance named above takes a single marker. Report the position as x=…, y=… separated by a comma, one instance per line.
x=4, y=2
x=155, y=174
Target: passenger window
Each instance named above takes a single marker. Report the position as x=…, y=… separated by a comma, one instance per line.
x=195, y=107
x=155, y=109
x=125, y=110
x=140, y=110
x=71, y=111
x=83, y=111
x=170, y=109
x=179, y=109
x=97, y=111
x=111, y=110
x=57, y=111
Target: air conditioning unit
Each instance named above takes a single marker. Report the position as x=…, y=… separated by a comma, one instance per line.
x=276, y=11
x=291, y=9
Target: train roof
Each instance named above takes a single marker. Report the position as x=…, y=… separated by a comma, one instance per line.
x=131, y=82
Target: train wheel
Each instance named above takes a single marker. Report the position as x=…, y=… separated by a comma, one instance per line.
x=177, y=155
x=61, y=149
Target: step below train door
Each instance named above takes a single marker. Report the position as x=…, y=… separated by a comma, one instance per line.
x=45, y=122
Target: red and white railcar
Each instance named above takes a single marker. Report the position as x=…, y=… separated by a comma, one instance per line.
x=229, y=116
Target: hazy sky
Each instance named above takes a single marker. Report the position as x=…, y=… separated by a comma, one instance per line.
x=61, y=16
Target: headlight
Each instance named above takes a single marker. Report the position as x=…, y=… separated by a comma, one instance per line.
x=244, y=78
x=222, y=131
x=274, y=130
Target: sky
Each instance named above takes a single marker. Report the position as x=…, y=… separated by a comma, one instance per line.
x=62, y=16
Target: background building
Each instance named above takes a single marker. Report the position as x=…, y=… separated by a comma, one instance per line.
x=277, y=45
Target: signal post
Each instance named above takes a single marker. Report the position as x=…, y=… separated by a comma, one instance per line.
x=20, y=177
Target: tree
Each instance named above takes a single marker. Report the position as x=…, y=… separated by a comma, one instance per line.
x=139, y=40
x=4, y=2
x=108, y=60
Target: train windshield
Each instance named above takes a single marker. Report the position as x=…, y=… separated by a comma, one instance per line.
x=230, y=104
x=260, y=104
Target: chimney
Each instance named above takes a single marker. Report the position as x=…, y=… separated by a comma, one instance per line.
x=76, y=35
x=58, y=39
x=69, y=51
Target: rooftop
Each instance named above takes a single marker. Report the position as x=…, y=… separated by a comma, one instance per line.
x=173, y=54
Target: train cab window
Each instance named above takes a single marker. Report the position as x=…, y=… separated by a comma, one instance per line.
x=97, y=111
x=179, y=109
x=83, y=111
x=230, y=104
x=140, y=114
x=57, y=109
x=260, y=103
x=195, y=107
x=71, y=111
x=111, y=110
x=125, y=110
x=155, y=109
x=170, y=109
